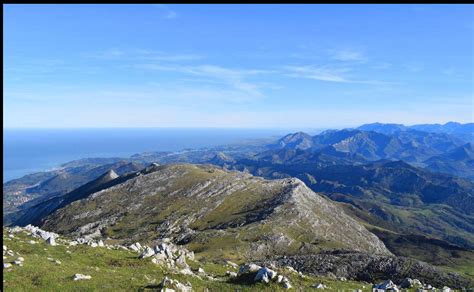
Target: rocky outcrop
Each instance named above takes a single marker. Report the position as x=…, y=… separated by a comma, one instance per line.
x=371, y=268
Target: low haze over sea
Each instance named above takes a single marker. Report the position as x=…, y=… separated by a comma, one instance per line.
x=31, y=150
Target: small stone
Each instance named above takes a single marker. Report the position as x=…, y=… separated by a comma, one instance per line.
x=319, y=286
x=7, y=265
x=58, y=262
x=78, y=277
x=231, y=274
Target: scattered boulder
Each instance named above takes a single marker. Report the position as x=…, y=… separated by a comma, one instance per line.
x=286, y=283
x=410, y=283
x=319, y=286
x=78, y=277
x=147, y=252
x=386, y=286
x=249, y=268
x=265, y=275
x=168, y=284
x=38, y=232
x=136, y=247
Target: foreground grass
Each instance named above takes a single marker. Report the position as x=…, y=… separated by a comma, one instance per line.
x=120, y=270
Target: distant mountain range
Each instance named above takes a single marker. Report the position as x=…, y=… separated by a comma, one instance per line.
x=403, y=184
x=462, y=131
x=438, y=152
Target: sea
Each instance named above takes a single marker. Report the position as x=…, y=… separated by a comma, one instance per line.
x=27, y=151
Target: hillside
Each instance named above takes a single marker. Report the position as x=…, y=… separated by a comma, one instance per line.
x=212, y=210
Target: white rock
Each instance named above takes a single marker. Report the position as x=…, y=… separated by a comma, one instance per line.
x=32, y=242
x=5, y=248
x=7, y=265
x=148, y=252
x=385, y=285
x=319, y=286
x=51, y=241
x=17, y=262
x=265, y=275
x=231, y=274
x=58, y=262
x=21, y=259
x=286, y=283
x=135, y=247
x=279, y=278
x=249, y=268
x=100, y=243
x=446, y=289
x=93, y=244
x=78, y=277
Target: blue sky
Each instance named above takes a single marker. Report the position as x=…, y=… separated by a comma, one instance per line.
x=251, y=66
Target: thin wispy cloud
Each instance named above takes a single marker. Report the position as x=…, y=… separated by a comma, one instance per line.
x=167, y=12
x=328, y=74
x=236, y=78
x=316, y=73
x=348, y=55
x=140, y=54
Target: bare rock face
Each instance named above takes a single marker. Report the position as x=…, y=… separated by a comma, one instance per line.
x=203, y=204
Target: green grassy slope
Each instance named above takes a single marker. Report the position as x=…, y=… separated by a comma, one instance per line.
x=120, y=270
